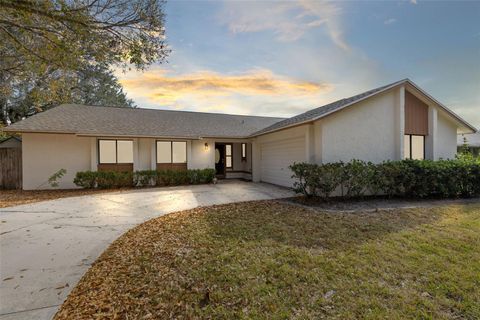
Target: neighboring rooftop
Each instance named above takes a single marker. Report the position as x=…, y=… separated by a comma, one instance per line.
x=137, y=122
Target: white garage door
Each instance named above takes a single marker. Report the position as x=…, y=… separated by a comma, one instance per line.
x=277, y=156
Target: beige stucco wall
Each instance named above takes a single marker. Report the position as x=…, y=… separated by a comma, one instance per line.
x=364, y=131
x=446, y=146
x=199, y=158
x=238, y=164
x=144, y=157
x=45, y=154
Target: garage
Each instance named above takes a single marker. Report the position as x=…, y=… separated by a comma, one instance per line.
x=277, y=156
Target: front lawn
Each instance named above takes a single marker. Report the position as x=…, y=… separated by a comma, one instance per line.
x=279, y=261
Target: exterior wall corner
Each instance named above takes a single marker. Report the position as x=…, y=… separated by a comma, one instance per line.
x=256, y=171
x=431, y=139
x=399, y=122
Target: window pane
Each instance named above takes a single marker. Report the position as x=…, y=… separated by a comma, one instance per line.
x=124, y=151
x=164, y=152
x=179, y=152
x=244, y=150
x=417, y=147
x=406, y=144
x=107, y=150
x=228, y=162
x=228, y=150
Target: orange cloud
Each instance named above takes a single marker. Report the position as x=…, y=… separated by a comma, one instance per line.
x=163, y=88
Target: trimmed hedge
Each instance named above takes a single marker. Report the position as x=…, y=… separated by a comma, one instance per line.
x=144, y=178
x=407, y=178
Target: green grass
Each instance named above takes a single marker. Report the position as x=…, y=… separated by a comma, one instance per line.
x=267, y=260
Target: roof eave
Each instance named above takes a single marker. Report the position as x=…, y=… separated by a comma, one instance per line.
x=401, y=82
x=445, y=108
x=336, y=110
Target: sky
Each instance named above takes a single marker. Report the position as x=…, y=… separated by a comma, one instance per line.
x=274, y=58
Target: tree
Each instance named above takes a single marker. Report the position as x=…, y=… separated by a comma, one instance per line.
x=65, y=34
x=93, y=85
x=97, y=85
x=50, y=47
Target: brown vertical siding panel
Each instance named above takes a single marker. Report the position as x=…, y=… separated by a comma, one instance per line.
x=416, y=115
x=172, y=166
x=120, y=167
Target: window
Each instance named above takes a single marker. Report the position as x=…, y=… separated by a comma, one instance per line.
x=179, y=152
x=228, y=155
x=115, y=151
x=414, y=147
x=171, y=152
x=244, y=152
x=124, y=151
x=164, y=152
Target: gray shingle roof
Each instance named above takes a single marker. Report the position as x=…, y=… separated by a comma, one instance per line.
x=114, y=121
x=319, y=112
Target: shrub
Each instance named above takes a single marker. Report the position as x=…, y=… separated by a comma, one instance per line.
x=355, y=177
x=112, y=179
x=410, y=178
x=143, y=178
x=207, y=175
x=306, y=178
x=86, y=179
x=53, y=180
x=197, y=176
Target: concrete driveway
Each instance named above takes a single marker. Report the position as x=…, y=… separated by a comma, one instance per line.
x=46, y=247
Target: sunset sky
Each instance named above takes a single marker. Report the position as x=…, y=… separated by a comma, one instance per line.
x=283, y=58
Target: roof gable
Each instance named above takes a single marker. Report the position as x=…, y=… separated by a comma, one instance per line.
x=323, y=111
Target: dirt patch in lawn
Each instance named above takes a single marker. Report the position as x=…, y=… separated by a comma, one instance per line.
x=10, y=198
x=267, y=259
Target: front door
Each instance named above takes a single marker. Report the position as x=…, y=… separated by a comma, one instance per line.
x=220, y=160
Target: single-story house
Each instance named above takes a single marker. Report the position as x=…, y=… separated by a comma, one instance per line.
x=392, y=122
x=472, y=141
x=11, y=142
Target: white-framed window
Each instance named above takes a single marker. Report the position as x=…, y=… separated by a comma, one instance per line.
x=244, y=152
x=228, y=156
x=414, y=146
x=111, y=151
x=171, y=152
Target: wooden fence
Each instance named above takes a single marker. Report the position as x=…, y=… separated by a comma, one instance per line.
x=10, y=168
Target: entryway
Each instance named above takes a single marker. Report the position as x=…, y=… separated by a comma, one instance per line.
x=220, y=160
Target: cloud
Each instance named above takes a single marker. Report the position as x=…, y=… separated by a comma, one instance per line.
x=413, y=1
x=390, y=21
x=256, y=82
x=289, y=21
x=257, y=91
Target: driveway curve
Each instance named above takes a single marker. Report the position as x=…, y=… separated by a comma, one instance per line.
x=46, y=247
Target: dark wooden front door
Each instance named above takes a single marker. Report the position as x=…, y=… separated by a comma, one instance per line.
x=220, y=160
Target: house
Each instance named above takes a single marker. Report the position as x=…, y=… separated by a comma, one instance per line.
x=11, y=142
x=472, y=141
x=391, y=122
